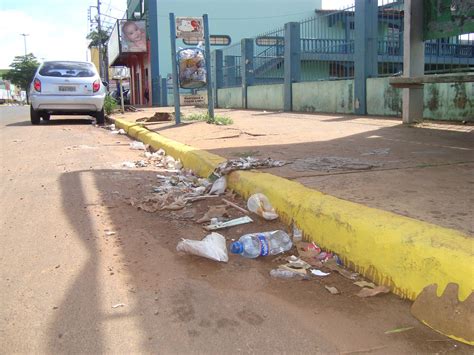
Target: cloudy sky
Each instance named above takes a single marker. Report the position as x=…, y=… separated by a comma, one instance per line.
x=57, y=28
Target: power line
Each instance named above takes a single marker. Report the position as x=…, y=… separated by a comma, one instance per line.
x=249, y=18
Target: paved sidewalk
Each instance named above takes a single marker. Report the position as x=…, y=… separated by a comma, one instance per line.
x=424, y=172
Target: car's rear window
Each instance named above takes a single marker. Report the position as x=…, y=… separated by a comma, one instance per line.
x=67, y=69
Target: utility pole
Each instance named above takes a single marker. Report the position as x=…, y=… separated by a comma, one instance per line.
x=24, y=39
x=101, y=65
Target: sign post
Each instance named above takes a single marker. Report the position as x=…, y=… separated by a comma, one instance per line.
x=191, y=29
x=174, y=63
x=120, y=73
x=210, y=100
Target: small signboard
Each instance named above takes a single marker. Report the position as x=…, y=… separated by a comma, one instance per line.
x=120, y=73
x=192, y=100
x=190, y=28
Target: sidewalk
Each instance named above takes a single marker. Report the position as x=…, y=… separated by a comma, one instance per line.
x=364, y=188
x=423, y=172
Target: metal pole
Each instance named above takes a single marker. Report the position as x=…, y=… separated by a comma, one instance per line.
x=101, y=72
x=154, y=54
x=210, y=99
x=121, y=95
x=177, y=113
x=24, y=39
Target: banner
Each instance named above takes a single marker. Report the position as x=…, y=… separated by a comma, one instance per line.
x=190, y=28
x=132, y=36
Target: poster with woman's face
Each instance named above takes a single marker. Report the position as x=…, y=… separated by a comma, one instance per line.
x=133, y=36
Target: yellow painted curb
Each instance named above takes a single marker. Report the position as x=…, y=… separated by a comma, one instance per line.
x=400, y=252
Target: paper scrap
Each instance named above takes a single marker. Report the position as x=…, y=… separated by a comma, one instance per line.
x=370, y=292
x=332, y=290
x=319, y=272
x=365, y=284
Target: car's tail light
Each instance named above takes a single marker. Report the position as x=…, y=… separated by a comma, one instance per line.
x=96, y=86
x=37, y=85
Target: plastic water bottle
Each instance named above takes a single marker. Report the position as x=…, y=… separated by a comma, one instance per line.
x=262, y=244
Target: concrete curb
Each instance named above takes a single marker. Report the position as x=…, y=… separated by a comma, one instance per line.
x=400, y=252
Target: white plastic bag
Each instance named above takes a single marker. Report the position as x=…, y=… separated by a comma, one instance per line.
x=219, y=186
x=259, y=204
x=136, y=145
x=213, y=247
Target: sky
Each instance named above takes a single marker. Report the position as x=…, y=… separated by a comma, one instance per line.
x=57, y=29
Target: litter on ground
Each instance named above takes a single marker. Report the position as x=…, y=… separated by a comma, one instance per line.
x=213, y=247
x=371, y=292
x=246, y=164
x=227, y=224
x=332, y=290
x=259, y=204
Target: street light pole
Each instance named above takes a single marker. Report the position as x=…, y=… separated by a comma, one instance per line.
x=101, y=65
x=24, y=39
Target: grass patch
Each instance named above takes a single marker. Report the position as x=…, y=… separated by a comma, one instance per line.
x=109, y=104
x=217, y=120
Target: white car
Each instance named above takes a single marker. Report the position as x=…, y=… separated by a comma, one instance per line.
x=67, y=88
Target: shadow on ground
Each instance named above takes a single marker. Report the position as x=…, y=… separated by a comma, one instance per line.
x=182, y=303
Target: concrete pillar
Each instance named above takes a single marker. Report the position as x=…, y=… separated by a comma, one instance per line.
x=218, y=74
x=292, y=62
x=413, y=60
x=365, y=51
x=246, y=68
x=154, y=52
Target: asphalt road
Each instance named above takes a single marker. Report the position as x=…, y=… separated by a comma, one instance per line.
x=68, y=286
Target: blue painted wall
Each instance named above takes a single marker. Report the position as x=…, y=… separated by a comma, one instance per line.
x=238, y=19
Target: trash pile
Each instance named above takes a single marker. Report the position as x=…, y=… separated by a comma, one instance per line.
x=157, y=117
x=246, y=164
x=182, y=187
x=113, y=130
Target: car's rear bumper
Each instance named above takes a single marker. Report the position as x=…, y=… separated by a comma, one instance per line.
x=68, y=103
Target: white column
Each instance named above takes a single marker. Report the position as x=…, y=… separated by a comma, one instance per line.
x=413, y=60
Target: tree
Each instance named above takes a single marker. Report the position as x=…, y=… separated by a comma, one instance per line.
x=22, y=71
x=102, y=38
x=95, y=38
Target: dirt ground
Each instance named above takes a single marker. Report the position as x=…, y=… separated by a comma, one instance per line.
x=424, y=172
x=69, y=287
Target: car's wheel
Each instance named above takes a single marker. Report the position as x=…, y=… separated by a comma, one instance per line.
x=34, y=116
x=100, y=117
x=45, y=116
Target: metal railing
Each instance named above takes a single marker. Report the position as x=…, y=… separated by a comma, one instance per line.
x=269, y=61
x=327, y=45
x=452, y=54
x=327, y=48
x=390, y=37
x=231, y=68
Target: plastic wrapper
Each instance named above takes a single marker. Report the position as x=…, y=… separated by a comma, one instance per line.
x=259, y=204
x=219, y=186
x=213, y=247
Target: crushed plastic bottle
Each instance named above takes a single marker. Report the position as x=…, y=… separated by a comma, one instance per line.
x=297, y=234
x=282, y=274
x=262, y=244
x=259, y=204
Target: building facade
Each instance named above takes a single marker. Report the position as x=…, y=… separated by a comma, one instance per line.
x=237, y=21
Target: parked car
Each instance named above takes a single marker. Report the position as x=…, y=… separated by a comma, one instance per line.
x=67, y=88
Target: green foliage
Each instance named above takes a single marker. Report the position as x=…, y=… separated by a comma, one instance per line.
x=109, y=104
x=217, y=120
x=97, y=37
x=22, y=70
